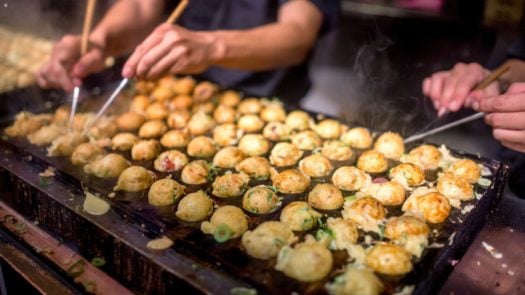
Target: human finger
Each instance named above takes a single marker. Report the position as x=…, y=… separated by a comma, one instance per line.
x=151, y=41
x=436, y=86
x=89, y=63
x=516, y=88
x=166, y=63
x=506, y=135
x=513, y=121
x=502, y=103
x=519, y=147
x=156, y=54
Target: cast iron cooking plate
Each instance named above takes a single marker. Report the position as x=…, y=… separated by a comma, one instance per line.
x=455, y=235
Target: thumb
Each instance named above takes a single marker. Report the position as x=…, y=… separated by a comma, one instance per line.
x=89, y=63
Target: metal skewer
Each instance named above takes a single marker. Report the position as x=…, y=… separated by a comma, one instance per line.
x=486, y=82
x=171, y=19
x=88, y=18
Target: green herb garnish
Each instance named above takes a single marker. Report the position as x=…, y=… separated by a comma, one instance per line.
x=98, y=261
x=222, y=233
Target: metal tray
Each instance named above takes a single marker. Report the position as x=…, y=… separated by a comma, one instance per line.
x=224, y=264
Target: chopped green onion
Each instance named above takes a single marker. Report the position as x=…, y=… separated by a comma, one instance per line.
x=222, y=233
x=98, y=261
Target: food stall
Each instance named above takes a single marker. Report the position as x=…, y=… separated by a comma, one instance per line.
x=185, y=186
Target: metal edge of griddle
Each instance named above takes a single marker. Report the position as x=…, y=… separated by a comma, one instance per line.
x=28, y=197
x=445, y=261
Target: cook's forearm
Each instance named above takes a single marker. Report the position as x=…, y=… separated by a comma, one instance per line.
x=126, y=24
x=283, y=43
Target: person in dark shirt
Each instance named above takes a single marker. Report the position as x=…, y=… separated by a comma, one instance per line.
x=257, y=47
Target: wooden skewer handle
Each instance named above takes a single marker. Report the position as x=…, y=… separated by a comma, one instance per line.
x=493, y=76
x=174, y=16
x=88, y=19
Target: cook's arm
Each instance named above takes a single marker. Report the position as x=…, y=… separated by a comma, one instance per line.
x=173, y=49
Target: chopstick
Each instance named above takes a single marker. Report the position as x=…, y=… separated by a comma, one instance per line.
x=494, y=75
x=84, y=45
x=174, y=16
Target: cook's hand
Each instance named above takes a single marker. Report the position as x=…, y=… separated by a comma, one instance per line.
x=450, y=90
x=66, y=67
x=171, y=49
x=506, y=115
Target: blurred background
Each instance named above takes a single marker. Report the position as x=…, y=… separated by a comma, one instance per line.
x=368, y=70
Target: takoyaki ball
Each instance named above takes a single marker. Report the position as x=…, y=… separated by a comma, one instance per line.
x=336, y=151
x=223, y=114
x=82, y=120
x=350, y=178
x=455, y=188
x=228, y=222
x=389, y=193
x=200, y=123
x=325, y=196
x=196, y=172
x=61, y=114
x=356, y=281
x=145, y=150
x=161, y=93
x=130, y=121
x=46, y=134
x=105, y=127
x=144, y=87
x=65, y=145
x=366, y=212
x=201, y=147
x=206, y=107
x=260, y=200
x=228, y=157
x=358, y=137
x=152, y=129
x=372, y=162
x=298, y=120
x=254, y=145
x=427, y=157
x=299, y=216
x=432, y=206
x=230, y=98
x=409, y=232
x=165, y=192
x=250, y=106
x=250, y=123
x=157, y=111
x=178, y=119
x=389, y=259
x=166, y=81
x=194, y=207
x=230, y=185
x=26, y=123
x=273, y=113
x=467, y=169
x=85, y=153
x=181, y=102
x=265, y=241
x=134, y=179
x=175, y=139
x=329, y=129
x=285, y=154
x=123, y=141
x=391, y=145
x=108, y=166
x=276, y=131
x=407, y=174
x=184, y=85
x=226, y=134
x=306, y=140
x=343, y=232
x=316, y=165
x=307, y=262
x=256, y=167
x=204, y=91
x=291, y=181
x=139, y=104
x=170, y=161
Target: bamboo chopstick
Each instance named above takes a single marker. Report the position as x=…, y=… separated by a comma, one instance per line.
x=88, y=19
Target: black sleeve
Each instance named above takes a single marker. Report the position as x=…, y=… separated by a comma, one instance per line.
x=517, y=49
